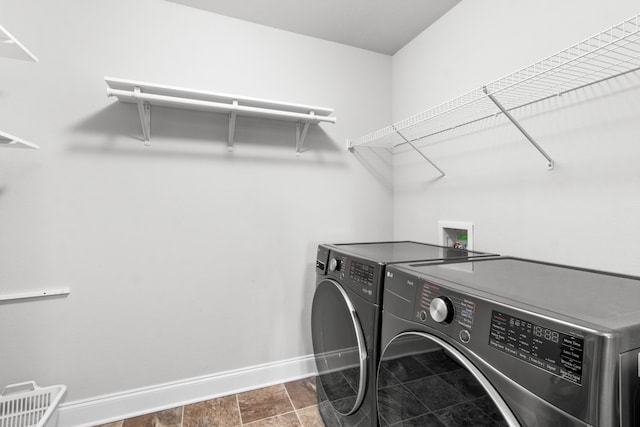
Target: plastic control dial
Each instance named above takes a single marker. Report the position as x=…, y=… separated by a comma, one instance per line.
x=441, y=310
x=334, y=264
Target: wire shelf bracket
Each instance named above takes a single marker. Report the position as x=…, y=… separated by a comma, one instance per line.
x=442, y=174
x=512, y=119
x=610, y=54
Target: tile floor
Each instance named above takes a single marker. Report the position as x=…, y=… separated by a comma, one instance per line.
x=291, y=404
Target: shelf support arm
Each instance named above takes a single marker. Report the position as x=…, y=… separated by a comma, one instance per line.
x=520, y=128
x=302, y=134
x=144, y=109
x=232, y=127
x=442, y=174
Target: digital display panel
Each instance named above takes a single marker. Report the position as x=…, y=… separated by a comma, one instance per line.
x=362, y=273
x=555, y=352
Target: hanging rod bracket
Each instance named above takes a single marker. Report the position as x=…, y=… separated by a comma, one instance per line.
x=232, y=127
x=144, y=109
x=301, y=134
x=512, y=119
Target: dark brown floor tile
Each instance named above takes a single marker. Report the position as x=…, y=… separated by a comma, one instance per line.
x=284, y=420
x=220, y=412
x=264, y=403
x=167, y=418
x=310, y=417
x=302, y=392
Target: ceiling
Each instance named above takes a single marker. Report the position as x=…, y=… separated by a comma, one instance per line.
x=382, y=26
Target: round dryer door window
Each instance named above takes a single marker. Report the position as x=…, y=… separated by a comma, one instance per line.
x=339, y=347
x=424, y=381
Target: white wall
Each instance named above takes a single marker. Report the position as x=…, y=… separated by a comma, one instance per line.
x=183, y=260
x=585, y=212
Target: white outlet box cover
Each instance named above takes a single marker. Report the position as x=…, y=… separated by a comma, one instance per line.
x=443, y=226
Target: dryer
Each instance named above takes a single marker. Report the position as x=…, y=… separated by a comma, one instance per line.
x=509, y=342
x=345, y=323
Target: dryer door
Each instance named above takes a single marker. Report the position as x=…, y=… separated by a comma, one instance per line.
x=422, y=380
x=339, y=347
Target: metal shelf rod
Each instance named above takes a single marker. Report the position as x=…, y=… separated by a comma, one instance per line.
x=442, y=174
x=520, y=128
x=219, y=106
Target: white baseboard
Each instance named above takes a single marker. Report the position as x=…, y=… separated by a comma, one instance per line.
x=127, y=404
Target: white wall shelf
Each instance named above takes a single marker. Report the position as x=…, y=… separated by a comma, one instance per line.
x=609, y=54
x=35, y=294
x=146, y=95
x=10, y=141
x=10, y=47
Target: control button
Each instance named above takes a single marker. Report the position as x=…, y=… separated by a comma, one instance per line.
x=441, y=310
x=465, y=336
x=423, y=315
x=334, y=264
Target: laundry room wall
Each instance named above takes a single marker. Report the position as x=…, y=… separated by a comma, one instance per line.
x=584, y=212
x=183, y=260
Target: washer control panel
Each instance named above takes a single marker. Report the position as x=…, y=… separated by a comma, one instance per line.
x=495, y=332
x=429, y=304
x=444, y=307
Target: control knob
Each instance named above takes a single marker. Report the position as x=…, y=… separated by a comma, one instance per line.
x=334, y=264
x=441, y=310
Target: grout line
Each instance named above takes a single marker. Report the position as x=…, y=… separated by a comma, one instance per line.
x=292, y=405
x=239, y=411
x=270, y=417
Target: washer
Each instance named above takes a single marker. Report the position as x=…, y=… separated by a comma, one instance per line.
x=509, y=342
x=345, y=323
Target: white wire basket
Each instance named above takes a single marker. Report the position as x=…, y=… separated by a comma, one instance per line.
x=26, y=405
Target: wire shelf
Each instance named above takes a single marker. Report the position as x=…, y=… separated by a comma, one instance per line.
x=606, y=55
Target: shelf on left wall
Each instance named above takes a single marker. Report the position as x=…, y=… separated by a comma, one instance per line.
x=34, y=294
x=11, y=48
x=7, y=140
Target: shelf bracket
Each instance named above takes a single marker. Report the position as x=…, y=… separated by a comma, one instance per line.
x=520, y=128
x=232, y=127
x=302, y=134
x=144, y=109
x=442, y=174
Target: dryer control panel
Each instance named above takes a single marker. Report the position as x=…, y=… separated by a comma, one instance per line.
x=359, y=275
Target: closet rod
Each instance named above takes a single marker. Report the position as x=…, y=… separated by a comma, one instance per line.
x=218, y=106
